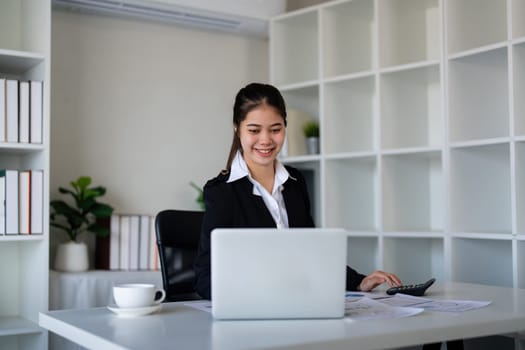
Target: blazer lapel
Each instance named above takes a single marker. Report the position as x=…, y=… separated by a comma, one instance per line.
x=257, y=205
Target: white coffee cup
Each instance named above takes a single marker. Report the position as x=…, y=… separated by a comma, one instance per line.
x=133, y=295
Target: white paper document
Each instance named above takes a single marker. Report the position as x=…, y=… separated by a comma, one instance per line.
x=361, y=306
x=368, y=309
x=402, y=300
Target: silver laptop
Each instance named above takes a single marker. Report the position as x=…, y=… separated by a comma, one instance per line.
x=278, y=273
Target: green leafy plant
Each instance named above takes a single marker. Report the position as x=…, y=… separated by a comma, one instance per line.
x=200, y=195
x=311, y=129
x=82, y=216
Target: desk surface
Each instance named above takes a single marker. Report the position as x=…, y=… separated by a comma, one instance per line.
x=93, y=288
x=179, y=326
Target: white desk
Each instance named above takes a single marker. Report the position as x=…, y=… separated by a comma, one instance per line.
x=75, y=290
x=179, y=326
x=93, y=288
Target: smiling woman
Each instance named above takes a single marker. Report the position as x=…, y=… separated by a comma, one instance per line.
x=256, y=190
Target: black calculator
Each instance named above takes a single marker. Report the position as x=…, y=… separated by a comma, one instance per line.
x=411, y=289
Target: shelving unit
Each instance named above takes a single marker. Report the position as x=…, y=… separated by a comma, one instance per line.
x=412, y=192
x=25, y=36
x=422, y=120
x=349, y=110
x=479, y=95
x=409, y=31
x=411, y=97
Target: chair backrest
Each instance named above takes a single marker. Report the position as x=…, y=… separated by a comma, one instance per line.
x=178, y=233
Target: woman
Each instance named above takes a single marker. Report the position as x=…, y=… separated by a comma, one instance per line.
x=256, y=190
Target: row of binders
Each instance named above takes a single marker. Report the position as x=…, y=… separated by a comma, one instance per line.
x=21, y=202
x=132, y=243
x=21, y=111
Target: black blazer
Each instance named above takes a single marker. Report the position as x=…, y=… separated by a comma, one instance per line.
x=234, y=205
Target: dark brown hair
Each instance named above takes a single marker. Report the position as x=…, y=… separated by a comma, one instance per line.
x=248, y=98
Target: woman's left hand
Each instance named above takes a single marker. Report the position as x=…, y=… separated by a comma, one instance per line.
x=379, y=277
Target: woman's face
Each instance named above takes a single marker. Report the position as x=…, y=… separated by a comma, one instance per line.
x=262, y=135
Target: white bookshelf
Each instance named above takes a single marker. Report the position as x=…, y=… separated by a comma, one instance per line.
x=411, y=97
x=422, y=121
x=409, y=31
x=347, y=38
x=479, y=95
x=25, y=27
x=475, y=23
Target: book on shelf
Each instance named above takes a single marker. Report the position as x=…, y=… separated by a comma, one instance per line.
x=36, y=111
x=131, y=244
x=11, y=200
x=144, y=242
x=2, y=205
x=37, y=202
x=134, y=239
x=21, y=202
x=2, y=109
x=23, y=111
x=24, y=202
x=124, y=242
x=114, y=242
x=102, y=246
x=154, y=258
x=11, y=110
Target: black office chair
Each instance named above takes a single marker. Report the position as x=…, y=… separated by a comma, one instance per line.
x=178, y=233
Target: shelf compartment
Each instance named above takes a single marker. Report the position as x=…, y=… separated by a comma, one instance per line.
x=518, y=18
x=413, y=190
x=414, y=260
x=349, y=116
x=17, y=265
x=305, y=99
x=480, y=189
x=475, y=23
x=520, y=187
x=409, y=31
x=485, y=261
x=478, y=95
x=294, y=48
x=351, y=193
x=521, y=263
x=519, y=88
x=17, y=16
x=411, y=108
x=363, y=254
x=10, y=271
x=348, y=32
x=302, y=105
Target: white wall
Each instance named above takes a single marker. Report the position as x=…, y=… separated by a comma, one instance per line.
x=144, y=108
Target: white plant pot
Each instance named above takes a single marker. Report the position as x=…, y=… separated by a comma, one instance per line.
x=72, y=257
x=312, y=145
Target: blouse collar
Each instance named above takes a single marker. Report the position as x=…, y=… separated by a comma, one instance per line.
x=239, y=169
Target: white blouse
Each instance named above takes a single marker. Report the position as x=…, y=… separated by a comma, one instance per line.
x=274, y=201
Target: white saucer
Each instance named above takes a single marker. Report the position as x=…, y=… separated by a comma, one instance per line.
x=134, y=311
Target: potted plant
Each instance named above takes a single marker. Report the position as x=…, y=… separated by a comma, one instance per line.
x=200, y=195
x=311, y=132
x=76, y=218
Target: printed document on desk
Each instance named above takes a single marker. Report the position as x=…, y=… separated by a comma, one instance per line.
x=364, y=309
x=368, y=309
x=402, y=300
